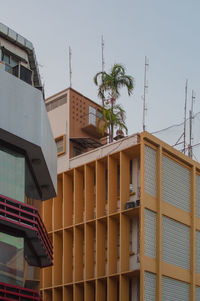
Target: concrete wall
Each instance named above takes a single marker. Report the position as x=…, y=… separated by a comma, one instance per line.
x=24, y=123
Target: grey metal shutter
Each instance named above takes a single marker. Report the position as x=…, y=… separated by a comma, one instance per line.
x=175, y=290
x=175, y=243
x=197, y=298
x=150, y=171
x=149, y=286
x=198, y=252
x=150, y=233
x=175, y=184
x=197, y=195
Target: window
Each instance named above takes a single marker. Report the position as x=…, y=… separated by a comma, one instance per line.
x=92, y=116
x=61, y=145
x=11, y=259
x=9, y=61
x=99, y=114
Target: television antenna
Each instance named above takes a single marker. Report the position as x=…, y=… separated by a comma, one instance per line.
x=191, y=116
x=146, y=65
x=70, y=67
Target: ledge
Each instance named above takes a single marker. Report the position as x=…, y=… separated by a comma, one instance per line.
x=19, y=219
x=11, y=292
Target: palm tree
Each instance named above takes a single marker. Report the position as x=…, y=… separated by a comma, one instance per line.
x=114, y=117
x=109, y=85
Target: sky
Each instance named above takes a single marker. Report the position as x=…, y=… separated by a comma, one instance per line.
x=167, y=32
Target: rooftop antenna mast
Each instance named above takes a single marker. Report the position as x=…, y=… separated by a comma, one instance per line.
x=185, y=115
x=70, y=67
x=102, y=54
x=146, y=65
x=102, y=62
x=191, y=116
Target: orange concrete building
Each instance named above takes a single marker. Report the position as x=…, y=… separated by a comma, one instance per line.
x=125, y=225
x=75, y=121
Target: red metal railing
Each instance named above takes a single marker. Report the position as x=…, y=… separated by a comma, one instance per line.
x=11, y=292
x=26, y=218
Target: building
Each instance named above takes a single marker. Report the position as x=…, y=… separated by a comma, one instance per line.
x=125, y=225
x=27, y=170
x=75, y=121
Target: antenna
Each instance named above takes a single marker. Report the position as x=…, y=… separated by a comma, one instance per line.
x=102, y=53
x=185, y=112
x=70, y=67
x=103, y=63
x=191, y=115
x=146, y=65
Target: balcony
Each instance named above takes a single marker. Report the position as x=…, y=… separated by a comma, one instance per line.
x=10, y=292
x=23, y=220
x=93, y=126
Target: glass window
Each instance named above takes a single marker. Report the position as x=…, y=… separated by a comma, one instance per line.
x=12, y=174
x=92, y=116
x=99, y=114
x=16, y=180
x=6, y=58
x=60, y=144
x=13, y=62
x=11, y=259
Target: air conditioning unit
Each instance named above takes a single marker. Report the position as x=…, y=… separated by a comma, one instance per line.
x=137, y=203
x=129, y=205
x=23, y=73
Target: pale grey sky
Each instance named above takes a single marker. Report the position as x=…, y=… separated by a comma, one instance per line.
x=165, y=31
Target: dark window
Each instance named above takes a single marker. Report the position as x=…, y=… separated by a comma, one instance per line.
x=77, y=151
x=26, y=75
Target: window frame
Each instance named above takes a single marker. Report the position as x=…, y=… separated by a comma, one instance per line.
x=59, y=138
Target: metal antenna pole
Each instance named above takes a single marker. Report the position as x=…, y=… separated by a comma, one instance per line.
x=70, y=67
x=102, y=53
x=191, y=117
x=146, y=65
x=185, y=112
x=103, y=63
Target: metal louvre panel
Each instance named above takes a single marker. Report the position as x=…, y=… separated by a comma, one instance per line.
x=150, y=233
x=197, y=298
x=175, y=243
x=149, y=286
x=198, y=252
x=175, y=290
x=150, y=171
x=175, y=184
x=197, y=195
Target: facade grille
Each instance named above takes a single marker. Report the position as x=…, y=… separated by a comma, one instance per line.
x=175, y=184
x=175, y=290
x=150, y=233
x=150, y=171
x=175, y=243
x=56, y=103
x=198, y=252
x=198, y=196
x=150, y=287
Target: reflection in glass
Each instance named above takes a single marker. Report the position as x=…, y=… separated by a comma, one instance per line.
x=11, y=259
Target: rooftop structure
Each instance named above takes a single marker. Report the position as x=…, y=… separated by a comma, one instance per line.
x=76, y=122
